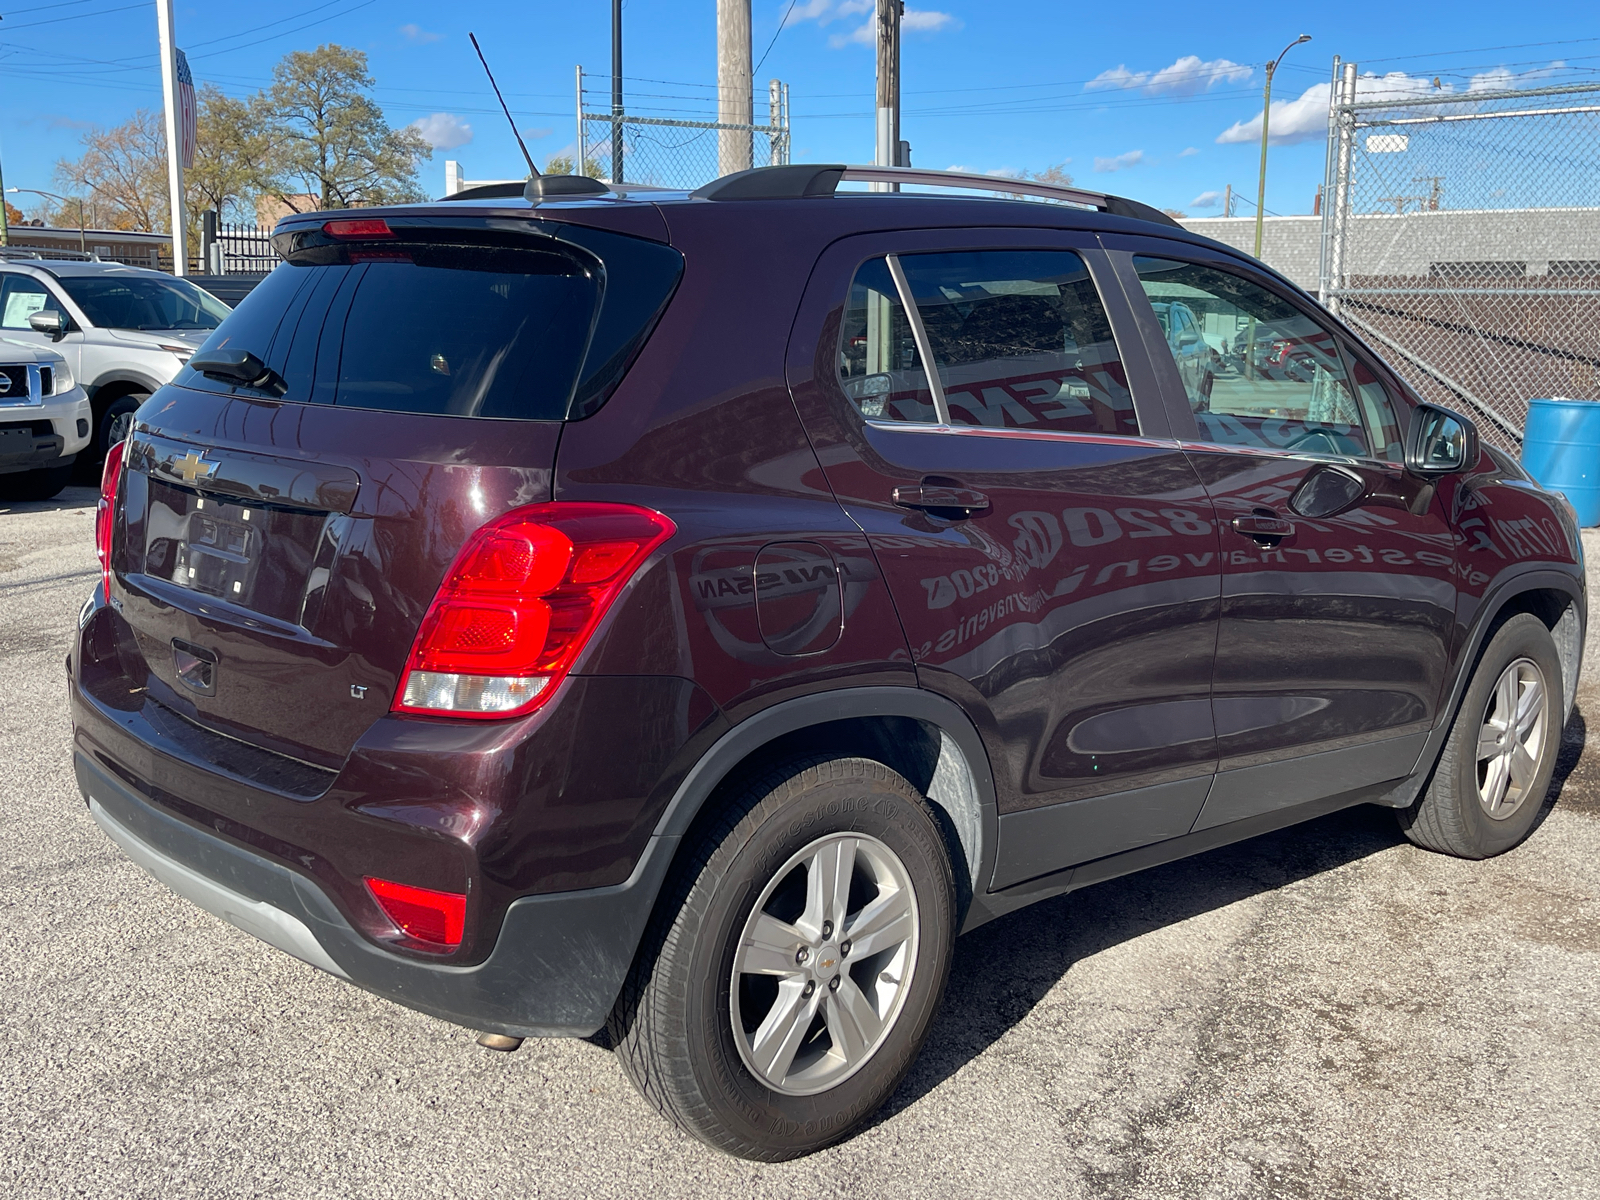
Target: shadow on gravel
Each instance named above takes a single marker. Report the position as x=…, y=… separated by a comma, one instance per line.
x=69, y=498
x=1005, y=968
x=1575, y=786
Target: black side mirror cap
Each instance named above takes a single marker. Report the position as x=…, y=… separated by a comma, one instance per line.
x=51, y=322
x=240, y=368
x=1440, y=441
x=1327, y=491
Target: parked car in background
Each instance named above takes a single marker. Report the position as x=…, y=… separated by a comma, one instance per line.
x=230, y=289
x=483, y=624
x=1197, y=362
x=124, y=331
x=44, y=421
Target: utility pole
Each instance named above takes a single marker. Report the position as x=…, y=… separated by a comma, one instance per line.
x=169, y=95
x=735, y=101
x=5, y=224
x=1227, y=201
x=616, y=93
x=1266, y=116
x=888, y=140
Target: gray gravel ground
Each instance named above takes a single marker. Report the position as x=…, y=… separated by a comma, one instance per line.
x=1326, y=1011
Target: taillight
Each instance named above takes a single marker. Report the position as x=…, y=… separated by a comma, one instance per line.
x=518, y=604
x=429, y=916
x=110, y=476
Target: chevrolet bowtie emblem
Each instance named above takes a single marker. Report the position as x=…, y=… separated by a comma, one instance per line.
x=192, y=466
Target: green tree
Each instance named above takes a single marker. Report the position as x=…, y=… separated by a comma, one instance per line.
x=234, y=156
x=561, y=164
x=331, y=139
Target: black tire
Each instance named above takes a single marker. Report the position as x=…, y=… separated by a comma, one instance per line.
x=673, y=1025
x=1451, y=816
x=35, y=485
x=118, y=416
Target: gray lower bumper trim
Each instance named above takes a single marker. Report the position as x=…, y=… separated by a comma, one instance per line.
x=555, y=970
x=256, y=917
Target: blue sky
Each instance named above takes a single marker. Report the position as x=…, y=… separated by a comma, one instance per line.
x=1158, y=100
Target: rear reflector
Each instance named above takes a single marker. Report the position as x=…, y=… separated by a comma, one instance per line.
x=519, y=603
x=429, y=916
x=365, y=228
x=110, y=477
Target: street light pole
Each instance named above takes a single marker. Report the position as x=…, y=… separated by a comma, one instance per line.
x=83, y=247
x=1266, y=116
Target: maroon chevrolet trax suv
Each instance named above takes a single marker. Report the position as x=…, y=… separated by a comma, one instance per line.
x=682, y=614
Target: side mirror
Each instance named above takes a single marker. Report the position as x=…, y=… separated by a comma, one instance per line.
x=1327, y=491
x=870, y=392
x=49, y=321
x=1440, y=442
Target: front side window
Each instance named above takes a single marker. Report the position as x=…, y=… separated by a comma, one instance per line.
x=1256, y=370
x=21, y=297
x=1020, y=340
x=144, y=302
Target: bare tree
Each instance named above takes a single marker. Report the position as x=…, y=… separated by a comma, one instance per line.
x=122, y=177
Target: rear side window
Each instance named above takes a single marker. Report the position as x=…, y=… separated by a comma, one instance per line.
x=539, y=329
x=879, y=367
x=1021, y=341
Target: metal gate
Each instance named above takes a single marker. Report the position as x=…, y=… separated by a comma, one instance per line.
x=668, y=151
x=1462, y=237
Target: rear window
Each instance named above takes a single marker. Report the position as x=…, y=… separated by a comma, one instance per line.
x=533, y=328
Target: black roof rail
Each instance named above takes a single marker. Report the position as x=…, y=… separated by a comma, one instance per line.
x=822, y=179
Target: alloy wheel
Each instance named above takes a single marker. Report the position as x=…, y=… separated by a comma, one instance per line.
x=824, y=964
x=1511, y=741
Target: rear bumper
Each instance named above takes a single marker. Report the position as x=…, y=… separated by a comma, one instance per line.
x=555, y=969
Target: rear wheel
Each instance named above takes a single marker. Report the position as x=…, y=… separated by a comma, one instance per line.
x=791, y=976
x=1491, y=781
x=35, y=485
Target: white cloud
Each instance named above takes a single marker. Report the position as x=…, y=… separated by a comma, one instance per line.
x=1307, y=117
x=443, y=131
x=913, y=20
x=1120, y=162
x=1207, y=200
x=1188, y=76
x=1189, y=153
x=416, y=33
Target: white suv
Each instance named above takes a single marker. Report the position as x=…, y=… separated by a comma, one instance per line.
x=124, y=331
x=44, y=421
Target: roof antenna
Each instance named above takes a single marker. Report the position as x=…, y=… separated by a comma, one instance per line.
x=533, y=171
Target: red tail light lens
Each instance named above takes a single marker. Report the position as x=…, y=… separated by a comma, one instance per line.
x=429, y=916
x=519, y=603
x=110, y=477
x=364, y=228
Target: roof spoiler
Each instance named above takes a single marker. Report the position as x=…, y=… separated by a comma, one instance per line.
x=804, y=180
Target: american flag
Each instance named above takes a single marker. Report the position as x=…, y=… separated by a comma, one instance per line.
x=187, y=116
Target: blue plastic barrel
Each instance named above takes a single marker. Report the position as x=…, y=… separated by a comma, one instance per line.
x=1561, y=449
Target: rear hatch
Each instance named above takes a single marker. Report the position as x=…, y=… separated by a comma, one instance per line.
x=286, y=521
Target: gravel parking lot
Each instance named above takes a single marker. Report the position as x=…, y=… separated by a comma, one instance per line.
x=1326, y=1011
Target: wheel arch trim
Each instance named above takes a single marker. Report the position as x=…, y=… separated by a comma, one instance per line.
x=962, y=786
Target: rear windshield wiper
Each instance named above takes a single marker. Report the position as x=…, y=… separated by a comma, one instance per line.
x=241, y=368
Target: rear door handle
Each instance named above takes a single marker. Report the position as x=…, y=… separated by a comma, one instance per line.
x=942, y=501
x=1269, y=530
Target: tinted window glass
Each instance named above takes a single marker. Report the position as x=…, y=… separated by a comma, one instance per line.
x=1377, y=407
x=141, y=302
x=458, y=330
x=1020, y=341
x=1257, y=371
x=21, y=297
x=879, y=367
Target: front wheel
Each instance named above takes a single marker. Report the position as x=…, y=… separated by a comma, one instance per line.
x=1495, y=770
x=117, y=420
x=791, y=975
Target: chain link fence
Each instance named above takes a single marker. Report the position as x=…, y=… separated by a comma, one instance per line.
x=671, y=152
x=1462, y=238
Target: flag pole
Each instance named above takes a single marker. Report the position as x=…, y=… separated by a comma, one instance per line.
x=169, y=96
